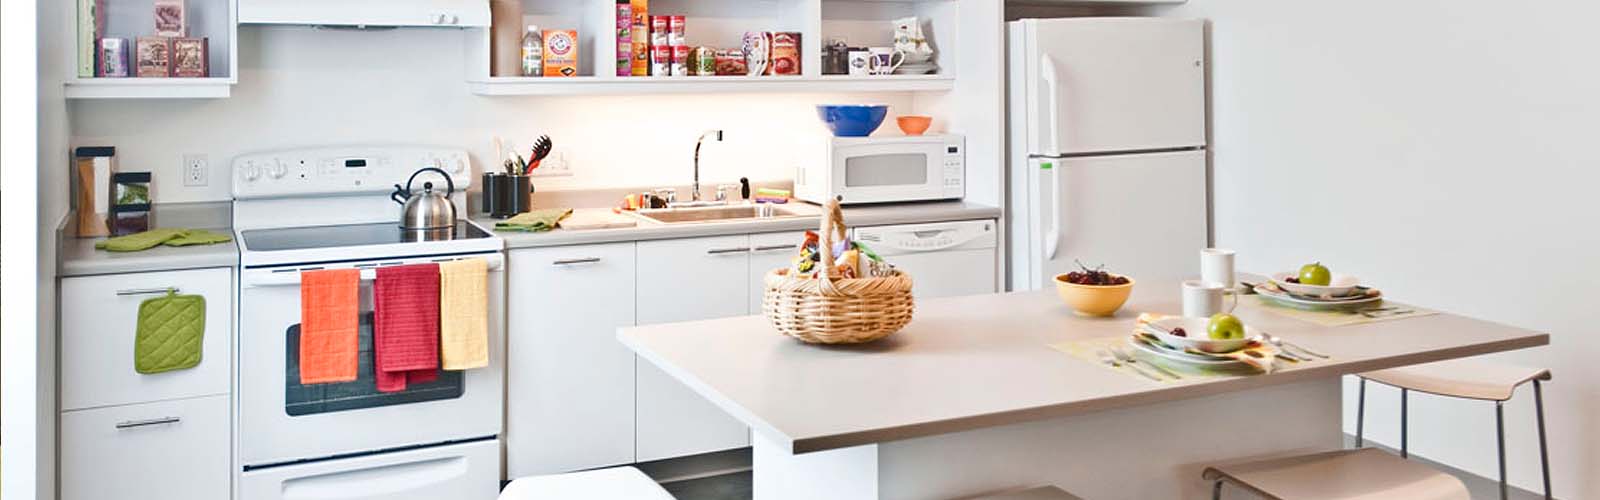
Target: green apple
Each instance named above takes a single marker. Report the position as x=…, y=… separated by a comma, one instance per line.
x=1315, y=274
x=1225, y=326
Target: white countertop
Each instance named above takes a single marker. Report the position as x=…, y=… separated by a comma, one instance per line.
x=980, y=361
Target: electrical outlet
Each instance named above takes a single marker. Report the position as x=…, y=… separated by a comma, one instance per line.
x=195, y=169
x=555, y=166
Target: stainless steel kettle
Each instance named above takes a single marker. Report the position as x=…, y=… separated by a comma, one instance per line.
x=426, y=210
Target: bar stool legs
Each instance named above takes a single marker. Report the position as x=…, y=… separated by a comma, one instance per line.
x=1361, y=412
x=1216, y=490
x=1500, y=429
x=1404, y=452
x=1544, y=454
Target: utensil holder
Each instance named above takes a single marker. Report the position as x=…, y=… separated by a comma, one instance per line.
x=506, y=195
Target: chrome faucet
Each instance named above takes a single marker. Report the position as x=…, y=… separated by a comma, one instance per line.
x=694, y=195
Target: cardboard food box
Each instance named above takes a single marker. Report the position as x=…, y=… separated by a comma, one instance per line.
x=560, y=52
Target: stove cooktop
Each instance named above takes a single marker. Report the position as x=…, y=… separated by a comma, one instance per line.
x=349, y=235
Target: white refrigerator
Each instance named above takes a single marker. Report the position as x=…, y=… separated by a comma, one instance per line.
x=1107, y=147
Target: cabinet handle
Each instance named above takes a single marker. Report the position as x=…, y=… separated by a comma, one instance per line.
x=769, y=248
x=722, y=251
x=147, y=291
x=568, y=262
x=141, y=423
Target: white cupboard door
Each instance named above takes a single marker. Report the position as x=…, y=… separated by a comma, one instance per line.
x=172, y=450
x=570, y=382
x=461, y=471
x=99, y=317
x=684, y=280
x=769, y=251
x=1140, y=215
x=1115, y=84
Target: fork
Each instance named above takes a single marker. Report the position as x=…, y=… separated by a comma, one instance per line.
x=1106, y=358
x=1130, y=360
x=1284, y=345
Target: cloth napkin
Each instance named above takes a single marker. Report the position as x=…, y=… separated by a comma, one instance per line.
x=329, y=311
x=405, y=330
x=534, y=221
x=464, y=314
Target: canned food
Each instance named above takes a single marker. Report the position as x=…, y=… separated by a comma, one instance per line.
x=660, y=60
x=659, y=30
x=680, y=60
x=676, y=28
x=703, y=61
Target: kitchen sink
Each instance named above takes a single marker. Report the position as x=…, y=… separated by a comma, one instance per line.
x=717, y=213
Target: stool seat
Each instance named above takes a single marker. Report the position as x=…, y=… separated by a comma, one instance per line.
x=1366, y=473
x=1040, y=493
x=1464, y=378
x=598, y=484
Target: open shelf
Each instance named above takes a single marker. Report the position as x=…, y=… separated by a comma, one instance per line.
x=214, y=20
x=148, y=88
x=709, y=84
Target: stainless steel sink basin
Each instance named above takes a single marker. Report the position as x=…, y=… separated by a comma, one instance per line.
x=716, y=214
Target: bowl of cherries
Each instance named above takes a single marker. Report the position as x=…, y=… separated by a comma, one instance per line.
x=1093, y=292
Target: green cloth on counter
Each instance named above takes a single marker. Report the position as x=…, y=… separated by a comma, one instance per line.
x=534, y=221
x=169, y=334
x=170, y=237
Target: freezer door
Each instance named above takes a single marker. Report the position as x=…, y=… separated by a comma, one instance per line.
x=1141, y=215
x=1099, y=85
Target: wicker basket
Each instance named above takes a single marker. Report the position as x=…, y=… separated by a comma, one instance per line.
x=829, y=310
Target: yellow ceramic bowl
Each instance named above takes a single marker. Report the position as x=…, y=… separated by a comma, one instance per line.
x=1091, y=300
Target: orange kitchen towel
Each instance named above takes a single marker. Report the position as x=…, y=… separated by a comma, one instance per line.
x=405, y=330
x=464, y=314
x=329, y=310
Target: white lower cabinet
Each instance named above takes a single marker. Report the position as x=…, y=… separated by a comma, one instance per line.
x=570, y=383
x=465, y=471
x=685, y=280
x=169, y=450
x=769, y=251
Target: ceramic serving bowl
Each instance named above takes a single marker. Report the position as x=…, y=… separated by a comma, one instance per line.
x=913, y=124
x=852, y=120
x=1093, y=300
x=1339, y=285
x=1196, y=336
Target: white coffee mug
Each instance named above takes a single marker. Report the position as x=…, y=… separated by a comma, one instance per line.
x=859, y=62
x=886, y=59
x=1216, y=266
x=1202, y=299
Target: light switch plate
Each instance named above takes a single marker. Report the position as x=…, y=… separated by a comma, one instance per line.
x=195, y=169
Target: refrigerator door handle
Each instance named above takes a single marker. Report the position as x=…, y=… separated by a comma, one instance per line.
x=1052, y=241
x=1052, y=81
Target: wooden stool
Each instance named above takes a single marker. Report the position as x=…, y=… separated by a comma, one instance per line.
x=1366, y=473
x=1463, y=379
x=598, y=484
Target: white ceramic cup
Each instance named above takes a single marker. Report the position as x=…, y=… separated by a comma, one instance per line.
x=886, y=59
x=1201, y=299
x=859, y=62
x=1216, y=266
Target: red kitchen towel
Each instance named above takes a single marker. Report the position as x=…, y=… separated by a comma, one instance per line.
x=405, y=330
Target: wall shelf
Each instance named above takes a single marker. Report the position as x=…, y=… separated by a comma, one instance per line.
x=149, y=88
x=589, y=85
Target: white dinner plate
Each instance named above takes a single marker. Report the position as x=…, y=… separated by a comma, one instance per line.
x=1339, y=285
x=1284, y=299
x=1185, y=358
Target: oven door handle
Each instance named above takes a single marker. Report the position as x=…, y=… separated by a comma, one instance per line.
x=369, y=272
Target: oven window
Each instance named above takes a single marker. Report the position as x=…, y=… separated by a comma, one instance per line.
x=905, y=169
x=361, y=393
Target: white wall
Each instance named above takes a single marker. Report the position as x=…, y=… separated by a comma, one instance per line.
x=301, y=87
x=1442, y=151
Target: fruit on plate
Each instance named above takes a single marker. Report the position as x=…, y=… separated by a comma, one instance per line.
x=1315, y=274
x=1224, y=326
x=1095, y=277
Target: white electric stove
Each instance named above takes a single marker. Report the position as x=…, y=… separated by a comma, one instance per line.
x=326, y=208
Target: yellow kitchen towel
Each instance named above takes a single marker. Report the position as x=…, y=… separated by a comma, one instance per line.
x=464, y=314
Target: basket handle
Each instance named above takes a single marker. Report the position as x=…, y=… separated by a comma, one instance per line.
x=832, y=223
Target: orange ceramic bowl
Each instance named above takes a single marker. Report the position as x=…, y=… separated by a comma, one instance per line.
x=1092, y=300
x=914, y=124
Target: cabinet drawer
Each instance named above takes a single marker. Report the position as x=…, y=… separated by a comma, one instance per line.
x=172, y=450
x=99, y=315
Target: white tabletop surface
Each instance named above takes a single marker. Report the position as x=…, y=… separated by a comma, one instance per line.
x=984, y=360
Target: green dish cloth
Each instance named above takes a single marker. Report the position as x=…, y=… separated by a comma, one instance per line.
x=170, y=237
x=170, y=332
x=534, y=221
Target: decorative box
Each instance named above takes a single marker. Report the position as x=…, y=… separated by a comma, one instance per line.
x=113, y=57
x=171, y=18
x=189, y=56
x=155, y=56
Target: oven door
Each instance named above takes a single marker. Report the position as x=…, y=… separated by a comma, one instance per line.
x=888, y=172
x=282, y=421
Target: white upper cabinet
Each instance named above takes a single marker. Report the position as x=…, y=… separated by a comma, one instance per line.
x=375, y=13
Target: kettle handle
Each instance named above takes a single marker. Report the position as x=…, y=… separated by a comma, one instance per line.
x=450, y=184
x=400, y=193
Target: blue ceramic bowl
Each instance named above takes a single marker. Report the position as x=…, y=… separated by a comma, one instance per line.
x=852, y=120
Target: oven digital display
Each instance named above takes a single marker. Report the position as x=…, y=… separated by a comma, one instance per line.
x=355, y=163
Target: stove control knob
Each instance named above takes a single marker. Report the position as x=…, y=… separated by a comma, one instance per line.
x=277, y=170
x=460, y=166
x=251, y=172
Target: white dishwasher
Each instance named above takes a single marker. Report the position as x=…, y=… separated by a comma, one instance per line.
x=944, y=258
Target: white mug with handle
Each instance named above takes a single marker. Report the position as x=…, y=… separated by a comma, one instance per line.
x=886, y=59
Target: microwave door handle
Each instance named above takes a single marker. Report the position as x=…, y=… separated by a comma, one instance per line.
x=1052, y=81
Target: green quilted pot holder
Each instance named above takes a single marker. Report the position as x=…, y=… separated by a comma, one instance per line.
x=171, y=331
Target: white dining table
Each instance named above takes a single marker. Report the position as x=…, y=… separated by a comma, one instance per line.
x=970, y=398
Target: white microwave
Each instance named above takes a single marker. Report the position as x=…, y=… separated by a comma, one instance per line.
x=886, y=169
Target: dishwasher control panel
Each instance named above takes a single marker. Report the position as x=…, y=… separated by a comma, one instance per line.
x=932, y=237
